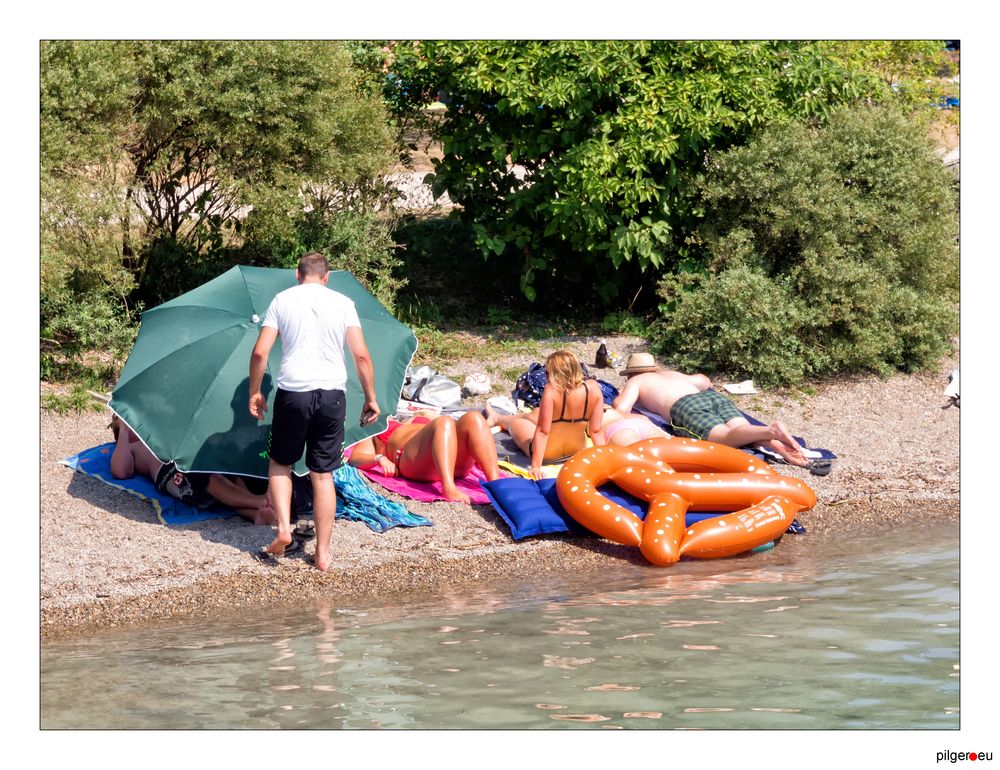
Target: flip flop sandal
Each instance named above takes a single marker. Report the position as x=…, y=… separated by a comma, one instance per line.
x=305, y=527
x=820, y=467
x=265, y=557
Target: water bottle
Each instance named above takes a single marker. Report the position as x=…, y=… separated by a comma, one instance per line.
x=601, y=359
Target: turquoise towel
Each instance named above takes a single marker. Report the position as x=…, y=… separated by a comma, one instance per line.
x=359, y=502
x=356, y=501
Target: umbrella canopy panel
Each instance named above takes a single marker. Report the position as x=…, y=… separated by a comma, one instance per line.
x=184, y=389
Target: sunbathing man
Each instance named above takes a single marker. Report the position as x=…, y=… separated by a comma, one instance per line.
x=200, y=490
x=693, y=409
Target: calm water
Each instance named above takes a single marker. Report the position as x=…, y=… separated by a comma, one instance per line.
x=812, y=635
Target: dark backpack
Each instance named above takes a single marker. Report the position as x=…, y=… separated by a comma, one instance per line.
x=530, y=385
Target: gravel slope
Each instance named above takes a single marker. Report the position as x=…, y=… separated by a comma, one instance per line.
x=107, y=561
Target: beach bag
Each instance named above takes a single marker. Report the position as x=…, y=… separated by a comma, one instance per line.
x=530, y=385
x=425, y=385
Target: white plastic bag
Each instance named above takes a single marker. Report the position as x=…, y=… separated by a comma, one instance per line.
x=424, y=385
x=477, y=384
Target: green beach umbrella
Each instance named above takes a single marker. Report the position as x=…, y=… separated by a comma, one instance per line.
x=184, y=388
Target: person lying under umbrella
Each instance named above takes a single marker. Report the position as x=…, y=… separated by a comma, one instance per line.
x=200, y=490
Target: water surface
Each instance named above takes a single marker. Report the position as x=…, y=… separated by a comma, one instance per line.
x=812, y=635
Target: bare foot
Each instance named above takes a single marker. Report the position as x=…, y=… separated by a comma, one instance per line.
x=322, y=561
x=790, y=454
x=781, y=433
x=492, y=418
x=455, y=496
x=280, y=542
x=265, y=515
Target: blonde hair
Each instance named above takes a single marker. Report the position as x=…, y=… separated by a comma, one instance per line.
x=563, y=370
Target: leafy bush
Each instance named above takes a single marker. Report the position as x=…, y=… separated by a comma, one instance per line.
x=567, y=156
x=357, y=241
x=823, y=250
x=735, y=321
x=72, y=324
x=153, y=151
x=624, y=322
x=445, y=269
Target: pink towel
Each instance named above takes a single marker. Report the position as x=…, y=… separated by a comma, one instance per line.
x=429, y=491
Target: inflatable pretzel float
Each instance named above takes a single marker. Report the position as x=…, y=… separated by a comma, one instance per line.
x=675, y=475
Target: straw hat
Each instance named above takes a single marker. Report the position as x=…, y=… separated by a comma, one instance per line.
x=638, y=363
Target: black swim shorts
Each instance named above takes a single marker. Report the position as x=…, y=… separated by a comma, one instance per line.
x=189, y=488
x=313, y=421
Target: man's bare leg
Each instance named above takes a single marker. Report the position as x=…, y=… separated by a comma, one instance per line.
x=279, y=483
x=739, y=432
x=324, y=511
x=234, y=494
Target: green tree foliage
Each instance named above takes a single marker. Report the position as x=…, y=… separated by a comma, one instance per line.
x=823, y=250
x=909, y=71
x=86, y=97
x=605, y=133
x=158, y=158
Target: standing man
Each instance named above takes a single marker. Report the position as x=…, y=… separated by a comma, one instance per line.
x=309, y=407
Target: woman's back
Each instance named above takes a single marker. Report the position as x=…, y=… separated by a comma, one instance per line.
x=571, y=412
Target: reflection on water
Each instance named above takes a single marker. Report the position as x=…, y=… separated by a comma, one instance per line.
x=859, y=635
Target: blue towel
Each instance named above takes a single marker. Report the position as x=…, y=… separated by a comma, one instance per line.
x=96, y=462
x=356, y=501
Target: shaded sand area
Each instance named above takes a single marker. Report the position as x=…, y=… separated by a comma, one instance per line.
x=108, y=562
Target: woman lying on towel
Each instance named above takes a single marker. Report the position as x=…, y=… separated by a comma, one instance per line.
x=579, y=404
x=622, y=430
x=432, y=448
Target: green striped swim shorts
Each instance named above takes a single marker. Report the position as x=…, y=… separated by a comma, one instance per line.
x=697, y=413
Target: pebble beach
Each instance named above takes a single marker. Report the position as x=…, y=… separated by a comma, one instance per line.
x=109, y=563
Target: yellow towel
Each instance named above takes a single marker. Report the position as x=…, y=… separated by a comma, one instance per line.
x=550, y=471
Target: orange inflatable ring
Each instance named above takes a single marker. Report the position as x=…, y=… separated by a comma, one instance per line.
x=675, y=475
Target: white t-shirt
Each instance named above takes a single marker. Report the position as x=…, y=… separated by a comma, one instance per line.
x=312, y=321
